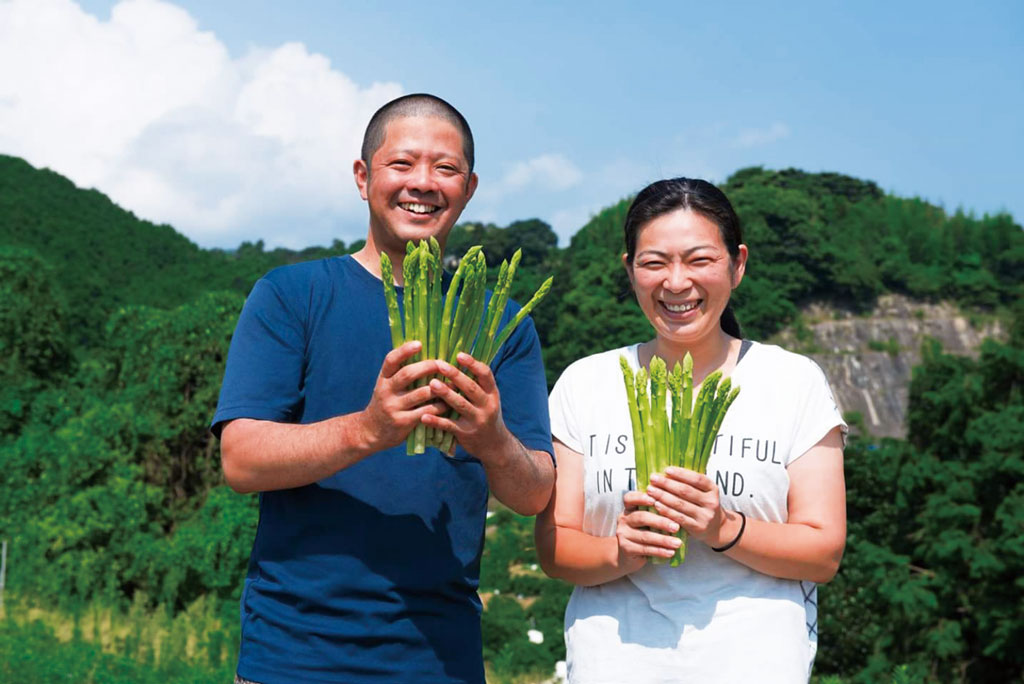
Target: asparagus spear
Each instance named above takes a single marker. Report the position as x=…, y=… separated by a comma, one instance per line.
x=731, y=397
x=639, y=456
x=510, y=327
x=387, y=276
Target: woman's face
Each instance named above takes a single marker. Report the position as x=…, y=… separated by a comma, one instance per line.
x=682, y=275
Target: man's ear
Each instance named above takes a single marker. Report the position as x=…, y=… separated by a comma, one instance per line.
x=362, y=176
x=471, y=186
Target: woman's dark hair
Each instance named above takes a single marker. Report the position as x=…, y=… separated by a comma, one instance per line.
x=665, y=196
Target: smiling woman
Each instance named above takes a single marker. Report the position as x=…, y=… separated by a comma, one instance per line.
x=768, y=519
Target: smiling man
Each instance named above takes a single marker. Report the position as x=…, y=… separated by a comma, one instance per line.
x=366, y=560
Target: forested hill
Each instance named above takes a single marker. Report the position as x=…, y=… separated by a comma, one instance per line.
x=103, y=256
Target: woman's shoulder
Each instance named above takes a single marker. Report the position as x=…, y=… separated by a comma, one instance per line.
x=605, y=358
x=598, y=366
x=776, y=361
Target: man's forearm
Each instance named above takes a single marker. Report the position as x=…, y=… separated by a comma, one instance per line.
x=520, y=478
x=261, y=455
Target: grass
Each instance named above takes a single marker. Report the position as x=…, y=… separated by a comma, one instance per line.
x=96, y=643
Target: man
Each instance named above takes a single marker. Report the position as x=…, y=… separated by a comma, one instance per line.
x=366, y=560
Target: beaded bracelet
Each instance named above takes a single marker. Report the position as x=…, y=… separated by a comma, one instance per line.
x=743, y=526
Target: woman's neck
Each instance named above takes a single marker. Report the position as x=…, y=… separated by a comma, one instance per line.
x=718, y=351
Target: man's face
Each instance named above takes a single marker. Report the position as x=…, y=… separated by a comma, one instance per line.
x=417, y=183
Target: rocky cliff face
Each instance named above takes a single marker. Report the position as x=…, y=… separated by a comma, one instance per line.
x=868, y=359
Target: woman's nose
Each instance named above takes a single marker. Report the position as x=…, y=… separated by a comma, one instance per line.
x=677, y=278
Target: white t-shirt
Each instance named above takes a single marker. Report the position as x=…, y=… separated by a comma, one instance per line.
x=711, y=619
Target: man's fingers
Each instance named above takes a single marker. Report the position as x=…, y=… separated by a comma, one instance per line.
x=408, y=375
x=465, y=384
x=415, y=397
x=449, y=396
x=480, y=370
x=436, y=420
x=396, y=357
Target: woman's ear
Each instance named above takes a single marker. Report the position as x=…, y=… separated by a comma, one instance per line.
x=739, y=266
x=628, y=266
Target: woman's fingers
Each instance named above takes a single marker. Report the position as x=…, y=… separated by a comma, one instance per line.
x=646, y=543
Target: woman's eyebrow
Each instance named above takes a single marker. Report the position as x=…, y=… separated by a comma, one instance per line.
x=657, y=252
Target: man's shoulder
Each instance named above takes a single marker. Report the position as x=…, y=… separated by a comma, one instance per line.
x=305, y=273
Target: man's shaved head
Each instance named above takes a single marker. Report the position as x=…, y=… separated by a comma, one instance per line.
x=416, y=105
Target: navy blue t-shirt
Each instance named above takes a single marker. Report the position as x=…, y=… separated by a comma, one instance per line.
x=369, y=575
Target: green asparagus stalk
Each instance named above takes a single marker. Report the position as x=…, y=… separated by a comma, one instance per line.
x=434, y=314
x=510, y=327
x=387, y=277
x=643, y=405
x=497, y=308
x=659, y=377
x=422, y=305
x=706, y=398
x=716, y=426
x=410, y=266
x=639, y=456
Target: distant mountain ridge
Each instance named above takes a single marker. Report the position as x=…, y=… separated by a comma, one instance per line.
x=813, y=238
x=105, y=256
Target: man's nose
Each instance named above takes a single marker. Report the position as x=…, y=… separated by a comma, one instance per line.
x=422, y=178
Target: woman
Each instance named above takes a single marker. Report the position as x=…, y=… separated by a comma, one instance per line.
x=765, y=524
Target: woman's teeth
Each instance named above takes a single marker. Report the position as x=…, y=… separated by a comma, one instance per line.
x=680, y=308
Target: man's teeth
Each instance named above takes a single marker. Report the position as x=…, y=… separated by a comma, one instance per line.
x=680, y=308
x=417, y=208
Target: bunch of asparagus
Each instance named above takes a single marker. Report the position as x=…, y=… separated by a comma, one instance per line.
x=669, y=427
x=448, y=324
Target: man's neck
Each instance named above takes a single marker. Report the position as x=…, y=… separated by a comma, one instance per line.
x=369, y=258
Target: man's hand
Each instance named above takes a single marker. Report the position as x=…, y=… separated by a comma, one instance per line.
x=479, y=427
x=397, y=405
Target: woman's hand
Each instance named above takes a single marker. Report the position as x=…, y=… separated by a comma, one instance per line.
x=641, y=533
x=691, y=500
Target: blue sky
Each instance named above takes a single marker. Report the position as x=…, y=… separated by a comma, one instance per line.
x=573, y=106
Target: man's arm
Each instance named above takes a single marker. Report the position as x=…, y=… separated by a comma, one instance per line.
x=263, y=455
x=519, y=477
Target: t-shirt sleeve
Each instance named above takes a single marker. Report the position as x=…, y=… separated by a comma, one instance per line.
x=562, y=404
x=818, y=412
x=263, y=378
x=519, y=373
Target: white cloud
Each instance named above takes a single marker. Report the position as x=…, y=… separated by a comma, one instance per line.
x=548, y=171
x=755, y=137
x=153, y=111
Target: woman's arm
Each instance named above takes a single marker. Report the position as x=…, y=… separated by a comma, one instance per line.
x=808, y=546
x=568, y=553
